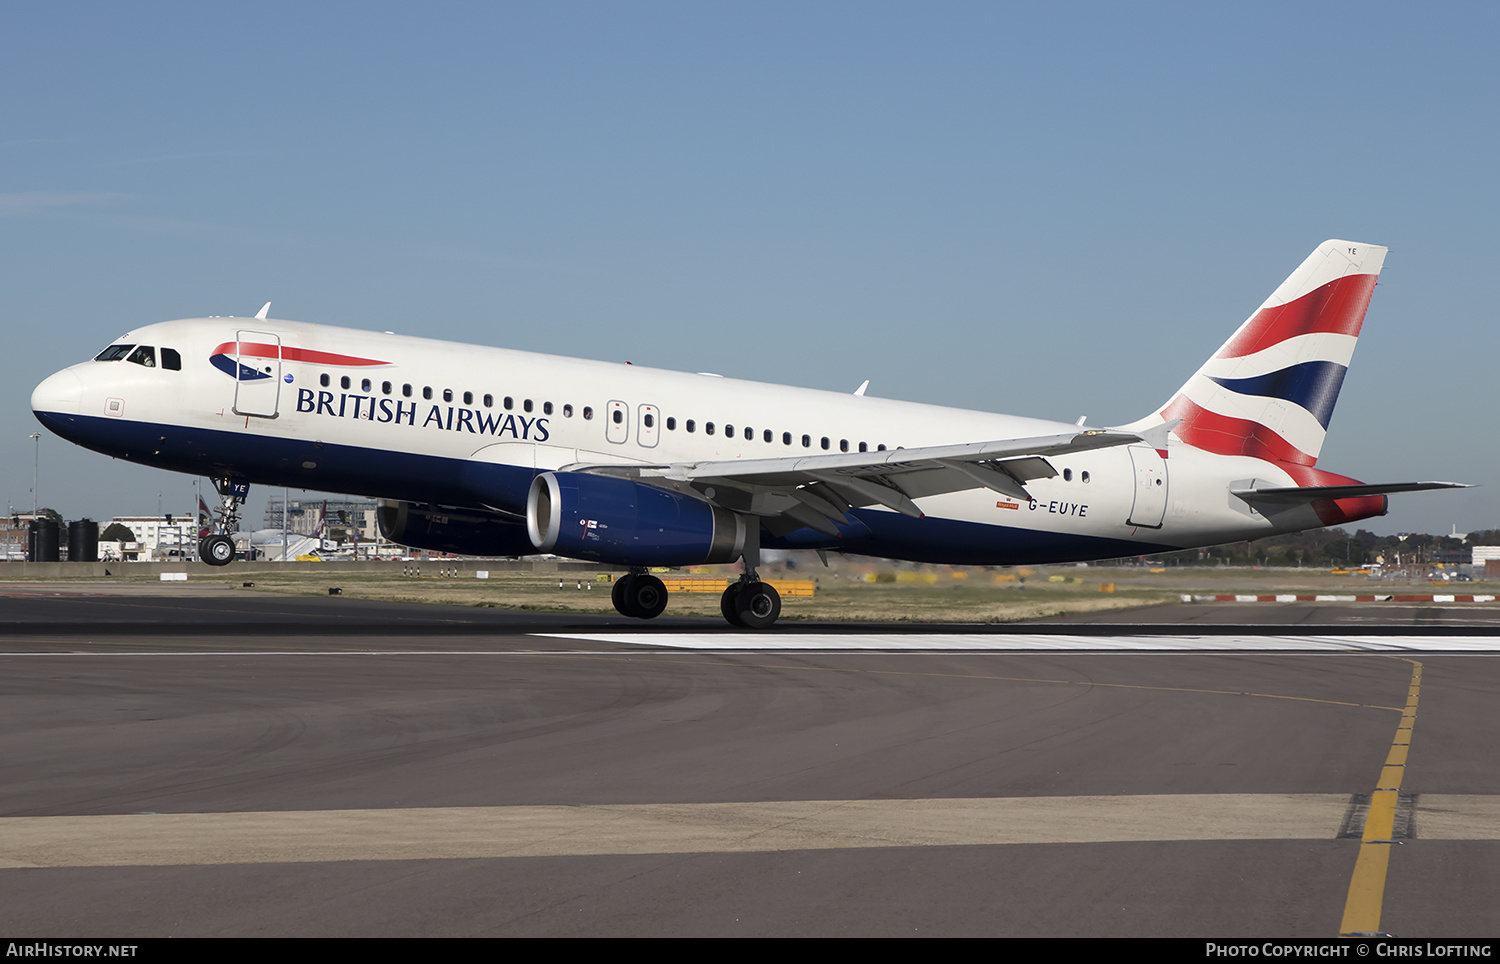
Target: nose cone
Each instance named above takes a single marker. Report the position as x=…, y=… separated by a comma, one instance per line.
x=59, y=394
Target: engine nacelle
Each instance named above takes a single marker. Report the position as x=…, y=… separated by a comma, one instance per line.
x=463, y=531
x=609, y=519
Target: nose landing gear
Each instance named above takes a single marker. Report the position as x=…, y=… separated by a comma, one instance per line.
x=218, y=549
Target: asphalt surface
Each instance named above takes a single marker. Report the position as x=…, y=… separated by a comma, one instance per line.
x=226, y=765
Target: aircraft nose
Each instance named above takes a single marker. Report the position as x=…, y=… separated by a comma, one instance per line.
x=59, y=394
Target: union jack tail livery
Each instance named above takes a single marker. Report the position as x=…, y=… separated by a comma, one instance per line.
x=1269, y=392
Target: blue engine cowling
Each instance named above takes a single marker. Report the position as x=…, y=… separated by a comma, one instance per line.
x=463, y=531
x=619, y=521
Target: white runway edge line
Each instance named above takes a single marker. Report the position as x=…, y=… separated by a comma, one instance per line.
x=984, y=642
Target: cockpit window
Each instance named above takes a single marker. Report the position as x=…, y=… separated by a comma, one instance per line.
x=171, y=360
x=144, y=355
x=113, y=353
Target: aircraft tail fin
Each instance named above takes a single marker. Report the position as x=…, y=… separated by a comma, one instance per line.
x=1269, y=391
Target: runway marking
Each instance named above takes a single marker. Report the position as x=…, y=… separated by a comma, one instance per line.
x=1042, y=643
x=1367, y=885
x=454, y=833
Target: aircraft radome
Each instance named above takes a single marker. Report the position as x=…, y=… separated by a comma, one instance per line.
x=496, y=452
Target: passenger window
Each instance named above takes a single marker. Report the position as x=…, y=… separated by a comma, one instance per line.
x=689, y=426
x=671, y=425
x=1085, y=475
x=546, y=408
x=843, y=445
x=385, y=388
x=344, y=382
x=863, y=447
x=825, y=443
x=786, y=438
x=767, y=436
x=618, y=416
x=567, y=411
x=1067, y=475
x=171, y=360
x=468, y=398
x=447, y=394
x=364, y=386
x=511, y=403
x=427, y=392
x=588, y=412
x=526, y=405
x=144, y=355
x=649, y=420
x=708, y=427
x=729, y=431
x=405, y=389
x=323, y=379
x=489, y=401
x=807, y=441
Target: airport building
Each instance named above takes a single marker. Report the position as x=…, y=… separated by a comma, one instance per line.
x=158, y=538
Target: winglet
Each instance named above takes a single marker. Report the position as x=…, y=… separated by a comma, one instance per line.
x=1156, y=435
x=261, y=314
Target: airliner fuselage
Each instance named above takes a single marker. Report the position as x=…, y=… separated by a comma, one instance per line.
x=489, y=450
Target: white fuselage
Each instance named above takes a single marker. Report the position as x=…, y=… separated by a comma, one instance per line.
x=400, y=417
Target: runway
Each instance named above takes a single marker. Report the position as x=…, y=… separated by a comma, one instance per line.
x=564, y=775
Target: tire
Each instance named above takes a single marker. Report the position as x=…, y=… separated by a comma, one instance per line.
x=648, y=596
x=620, y=595
x=758, y=606
x=216, y=550
x=727, y=601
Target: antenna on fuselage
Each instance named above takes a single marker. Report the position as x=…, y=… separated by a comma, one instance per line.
x=862, y=386
x=261, y=314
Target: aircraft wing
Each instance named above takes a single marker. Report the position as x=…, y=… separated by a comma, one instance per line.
x=817, y=490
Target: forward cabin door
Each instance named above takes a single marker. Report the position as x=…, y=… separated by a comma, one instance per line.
x=1150, y=487
x=257, y=385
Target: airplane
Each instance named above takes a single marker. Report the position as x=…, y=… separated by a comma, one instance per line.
x=488, y=451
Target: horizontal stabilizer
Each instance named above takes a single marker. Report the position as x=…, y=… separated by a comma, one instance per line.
x=1290, y=494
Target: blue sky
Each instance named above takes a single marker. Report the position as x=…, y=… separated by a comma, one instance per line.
x=1050, y=212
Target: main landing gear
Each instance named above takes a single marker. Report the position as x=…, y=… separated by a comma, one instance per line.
x=747, y=604
x=218, y=549
x=639, y=594
x=750, y=603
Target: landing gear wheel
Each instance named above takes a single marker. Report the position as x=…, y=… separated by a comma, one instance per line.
x=727, y=601
x=620, y=594
x=647, y=596
x=758, y=605
x=216, y=550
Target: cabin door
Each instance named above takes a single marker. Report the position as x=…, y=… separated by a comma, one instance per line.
x=257, y=385
x=1150, y=487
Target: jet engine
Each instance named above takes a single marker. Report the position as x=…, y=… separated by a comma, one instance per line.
x=464, y=531
x=615, y=520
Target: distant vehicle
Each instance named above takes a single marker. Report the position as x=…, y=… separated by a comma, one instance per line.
x=492, y=452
